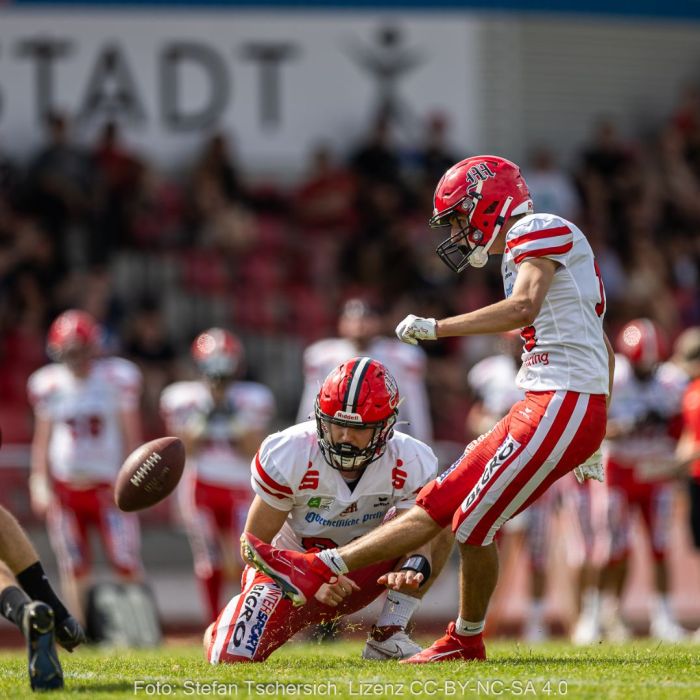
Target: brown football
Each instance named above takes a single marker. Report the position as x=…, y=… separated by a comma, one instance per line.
x=149, y=473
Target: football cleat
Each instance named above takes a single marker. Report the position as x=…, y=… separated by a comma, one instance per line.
x=666, y=629
x=298, y=575
x=392, y=642
x=451, y=647
x=69, y=633
x=45, y=672
x=586, y=630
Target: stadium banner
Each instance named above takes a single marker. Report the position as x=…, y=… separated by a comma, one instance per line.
x=278, y=83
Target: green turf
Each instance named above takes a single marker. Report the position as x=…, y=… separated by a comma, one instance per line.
x=643, y=669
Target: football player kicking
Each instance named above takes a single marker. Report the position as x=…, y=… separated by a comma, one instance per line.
x=555, y=295
x=28, y=600
x=319, y=485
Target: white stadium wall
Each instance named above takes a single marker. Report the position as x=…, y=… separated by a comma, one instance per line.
x=280, y=82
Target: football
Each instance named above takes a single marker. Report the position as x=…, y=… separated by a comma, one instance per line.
x=149, y=474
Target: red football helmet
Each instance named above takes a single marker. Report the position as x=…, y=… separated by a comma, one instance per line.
x=72, y=331
x=360, y=393
x=217, y=353
x=486, y=191
x=643, y=343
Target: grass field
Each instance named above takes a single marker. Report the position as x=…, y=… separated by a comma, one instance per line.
x=642, y=669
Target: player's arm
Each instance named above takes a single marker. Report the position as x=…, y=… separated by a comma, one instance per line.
x=413, y=570
x=264, y=521
x=518, y=310
x=39, y=483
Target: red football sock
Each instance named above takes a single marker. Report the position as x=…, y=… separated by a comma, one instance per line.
x=211, y=592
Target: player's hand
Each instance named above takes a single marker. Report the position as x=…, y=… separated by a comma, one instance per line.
x=414, y=328
x=592, y=468
x=396, y=580
x=334, y=593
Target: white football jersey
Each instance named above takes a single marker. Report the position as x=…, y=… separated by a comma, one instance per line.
x=290, y=473
x=86, y=443
x=406, y=362
x=493, y=381
x=649, y=449
x=564, y=347
x=218, y=461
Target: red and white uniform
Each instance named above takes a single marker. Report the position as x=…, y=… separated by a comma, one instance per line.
x=250, y=406
x=493, y=381
x=219, y=474
x=290, y=473
x=639, y=465
x=85, y=452
x=564, y=373
x=86, y=444
x=406, y=362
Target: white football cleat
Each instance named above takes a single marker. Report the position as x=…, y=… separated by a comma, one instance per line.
x=666, y=629
x=586, y=631
x=387, y=643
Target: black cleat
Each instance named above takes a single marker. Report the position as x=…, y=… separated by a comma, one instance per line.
x=45, y=671
x=69, y=633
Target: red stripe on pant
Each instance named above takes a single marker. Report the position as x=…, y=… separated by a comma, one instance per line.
x=480, y=531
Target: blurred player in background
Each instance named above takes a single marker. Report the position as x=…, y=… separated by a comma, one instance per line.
x=360, y=333
x=641, y=436
x=555, y=295
x=28, y=600
x=87, y=420
x=222, y=422
x=320, y=484
x=687, y=357
x=493, y=382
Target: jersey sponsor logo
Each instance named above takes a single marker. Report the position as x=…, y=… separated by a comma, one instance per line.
x=352, y=508
x=538, y=358
x=310, y=480
x=469, y=448
x=258, y=605
x=398, y=475
x=382, y=502
x=338, y=522
x=322, y=502
x=504, y=451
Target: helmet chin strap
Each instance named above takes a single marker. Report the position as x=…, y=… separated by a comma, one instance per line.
x=480, y=256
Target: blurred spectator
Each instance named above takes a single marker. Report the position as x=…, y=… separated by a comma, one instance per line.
x=325, y=200
x=376, y=159
x=117, y=176
x=361, y=332
x=61, y=181
x=146, y=342
x=217, y=163
x=157, y=211
x=551, y=188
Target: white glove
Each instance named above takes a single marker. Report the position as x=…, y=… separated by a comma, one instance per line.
x=414, y=328
x=592, y=468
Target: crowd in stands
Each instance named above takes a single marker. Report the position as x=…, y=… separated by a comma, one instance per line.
x=157, y=256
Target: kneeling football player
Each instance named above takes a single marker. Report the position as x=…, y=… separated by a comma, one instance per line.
x=323, y=483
